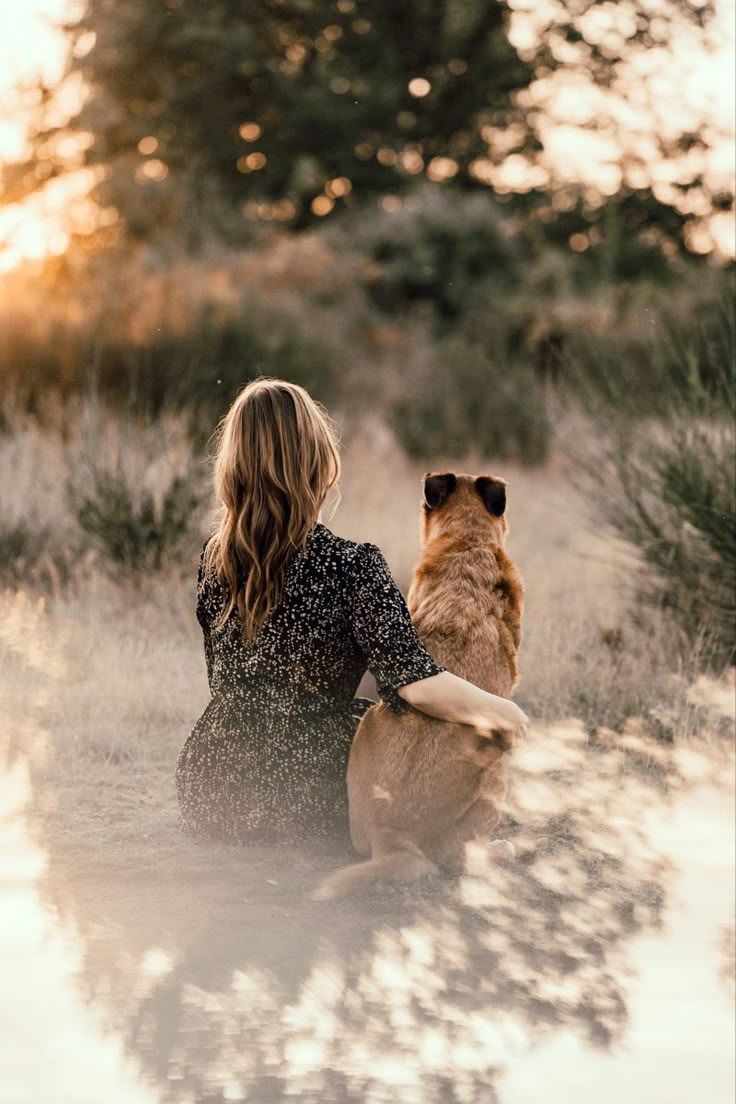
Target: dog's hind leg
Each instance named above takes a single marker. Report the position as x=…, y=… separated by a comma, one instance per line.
x=477, y=823
x=394, y=857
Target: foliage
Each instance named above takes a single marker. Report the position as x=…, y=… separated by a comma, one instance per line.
x=310, y=92
x=134, y=489
x=134, y=528
x=464, y=400
x=630, y=236
x=678, y=506
x=198, y=369
x=678, y=362
x=290, y=109
x=673, y=494
x=30, y=552
x=435, y=249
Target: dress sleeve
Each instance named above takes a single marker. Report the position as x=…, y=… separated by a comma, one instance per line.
x=383, y=630
x=204, y=614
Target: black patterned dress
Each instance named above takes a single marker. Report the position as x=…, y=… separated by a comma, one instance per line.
x=268, y=757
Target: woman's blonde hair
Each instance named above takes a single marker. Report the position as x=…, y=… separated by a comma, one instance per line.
x=276, y=460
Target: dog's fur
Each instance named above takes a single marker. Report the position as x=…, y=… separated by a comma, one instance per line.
x=421, y=788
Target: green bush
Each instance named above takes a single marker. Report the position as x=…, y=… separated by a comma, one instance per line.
x=678, y=507
x=202, y=370
x=435, y=249
x=669, y=487
x=136, y=527
x=463, y=401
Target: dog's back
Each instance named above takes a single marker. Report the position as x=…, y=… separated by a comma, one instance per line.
x=414, y=781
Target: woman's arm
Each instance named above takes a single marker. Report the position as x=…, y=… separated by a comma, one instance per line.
x=453, y=699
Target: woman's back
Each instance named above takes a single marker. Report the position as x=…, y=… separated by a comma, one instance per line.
x=269, y=755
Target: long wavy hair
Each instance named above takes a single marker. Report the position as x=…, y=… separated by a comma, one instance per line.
x=276, y=460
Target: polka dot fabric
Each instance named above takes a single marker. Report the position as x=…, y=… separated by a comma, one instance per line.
x=268, y=757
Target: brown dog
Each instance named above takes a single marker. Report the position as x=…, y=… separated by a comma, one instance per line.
x=421, y=788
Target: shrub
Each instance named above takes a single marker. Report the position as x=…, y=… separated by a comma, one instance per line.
x=463, y=400
x=203, y=369
x=131, y=527
x=136, y=493
x=35, y=544
x=435, y=249
x=669, y=487
x=678, y=361
x=677, y=504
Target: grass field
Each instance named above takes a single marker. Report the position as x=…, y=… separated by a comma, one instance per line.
x=112, y=668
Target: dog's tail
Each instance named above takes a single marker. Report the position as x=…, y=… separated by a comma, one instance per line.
x=394, y=857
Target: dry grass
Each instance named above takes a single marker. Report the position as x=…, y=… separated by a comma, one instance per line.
x=108, y=677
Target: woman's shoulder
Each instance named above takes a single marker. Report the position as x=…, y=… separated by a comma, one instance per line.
x=358, y=556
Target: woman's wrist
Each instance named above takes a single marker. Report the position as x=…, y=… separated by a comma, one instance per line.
x=454, y=699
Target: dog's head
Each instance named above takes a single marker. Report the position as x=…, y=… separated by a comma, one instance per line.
x=471, y=507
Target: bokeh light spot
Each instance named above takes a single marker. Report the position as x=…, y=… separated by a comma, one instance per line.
x=322, y=205
x=412, y=161
x=386, y=156
x=251, y=162
x=419, y=87
x=250, y=132
x=457, y=66
x=153, y=170
x=339, y=186
x=578, y=242
x=441, y=169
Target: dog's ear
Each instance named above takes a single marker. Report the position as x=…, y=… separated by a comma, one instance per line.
x=438, y=488
x=493, y=493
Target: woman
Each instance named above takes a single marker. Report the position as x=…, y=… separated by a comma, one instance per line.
x=292, y=616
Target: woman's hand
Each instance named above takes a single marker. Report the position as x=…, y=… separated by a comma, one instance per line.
x=505, y=723
x=454, y=699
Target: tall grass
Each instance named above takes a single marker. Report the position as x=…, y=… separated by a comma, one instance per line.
x=421, y=322
x=584, y=653
x=198, y=370
x=666, y=477
x=677, y=361
x=676, y=502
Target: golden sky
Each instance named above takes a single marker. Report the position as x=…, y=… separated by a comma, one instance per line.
x=688, y=88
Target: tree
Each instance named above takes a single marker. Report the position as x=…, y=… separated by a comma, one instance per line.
x=200, y=110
